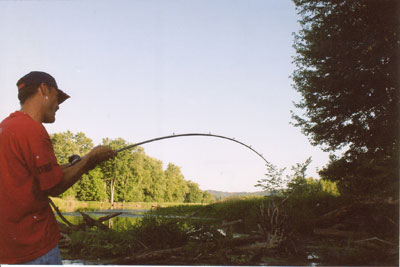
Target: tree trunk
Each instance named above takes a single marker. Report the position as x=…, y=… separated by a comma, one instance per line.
x=112, y=187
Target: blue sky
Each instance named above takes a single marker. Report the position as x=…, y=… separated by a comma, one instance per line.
x=144, y=69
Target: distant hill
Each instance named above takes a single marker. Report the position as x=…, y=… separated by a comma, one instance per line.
x=219, y=195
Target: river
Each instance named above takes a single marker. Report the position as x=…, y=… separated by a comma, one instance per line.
x=128, y=218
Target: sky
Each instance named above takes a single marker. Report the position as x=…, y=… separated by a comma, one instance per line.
x=140, y=69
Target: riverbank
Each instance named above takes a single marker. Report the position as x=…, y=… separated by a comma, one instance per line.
x=248, y=231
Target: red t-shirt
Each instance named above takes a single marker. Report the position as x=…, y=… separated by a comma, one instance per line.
x=28, y=166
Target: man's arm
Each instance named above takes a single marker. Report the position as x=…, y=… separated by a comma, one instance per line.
x=73, y=173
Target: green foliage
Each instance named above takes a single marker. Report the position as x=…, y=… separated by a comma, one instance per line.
x=117, y=170
x=347, y=73
x=159, y=230
x=130, y=176
x=104, y=244
x=221, y=195
x=300, y=169
x=307, y=199
x=207, y=197
x=238, y=208
x=194, y=194
x=309, y=187
x=149, y=232
x=161, y=233
x=91, y=187
x=302, y=199
x=329, y=187
x=153, y=183
x=347, y=58
x=66, y=144
x=177, y=187
x=274, y=181
x=364, y=176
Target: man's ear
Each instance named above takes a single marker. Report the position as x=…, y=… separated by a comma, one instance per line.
x=42, y=89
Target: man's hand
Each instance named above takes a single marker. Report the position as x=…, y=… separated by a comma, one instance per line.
x=99, y=154
x=74, y=173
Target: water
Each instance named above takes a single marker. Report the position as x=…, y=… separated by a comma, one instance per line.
x=137, y=213
x=128, y=218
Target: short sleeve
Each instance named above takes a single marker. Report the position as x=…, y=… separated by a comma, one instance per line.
x=41, y=159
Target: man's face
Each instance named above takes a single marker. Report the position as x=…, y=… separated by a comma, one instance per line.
x=51, y=105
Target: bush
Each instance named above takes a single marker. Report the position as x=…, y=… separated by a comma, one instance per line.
x=160, y=233
x=103, y=244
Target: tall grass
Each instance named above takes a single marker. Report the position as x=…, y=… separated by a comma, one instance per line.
x=71, y=205
x=228, y=210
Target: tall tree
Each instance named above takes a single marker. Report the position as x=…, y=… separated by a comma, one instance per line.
x=347, y=73
x=194, y=194
x=154, y=183
x=137, y=170
x=92, y=186
x=117, y=169
x=176, y=185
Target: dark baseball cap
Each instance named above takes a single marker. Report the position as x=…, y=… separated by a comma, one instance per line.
x=37, y=77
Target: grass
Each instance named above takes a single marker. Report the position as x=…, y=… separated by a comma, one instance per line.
x=71, y=205
x=233, y=209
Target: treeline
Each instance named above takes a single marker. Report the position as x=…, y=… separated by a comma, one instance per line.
x=132, y=176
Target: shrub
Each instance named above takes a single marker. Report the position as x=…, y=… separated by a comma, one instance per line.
x=157, y=233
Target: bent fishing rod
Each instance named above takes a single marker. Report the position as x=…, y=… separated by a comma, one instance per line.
x=75, y=158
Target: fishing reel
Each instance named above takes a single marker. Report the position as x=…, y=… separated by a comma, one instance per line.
x=73, y=159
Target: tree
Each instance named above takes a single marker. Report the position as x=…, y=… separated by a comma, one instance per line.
x=299, y=170
x=137, y=169
x=176, y=185
x=207, y=197
x=347, y=74
x=91, y=187
x=297, y=181
x=155, y=186
x=194, y=194
x=117, y=169
x=130, y=176
x=66, y=144
x=274, y=182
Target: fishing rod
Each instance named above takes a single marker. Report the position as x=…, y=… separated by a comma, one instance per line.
x=74, y=158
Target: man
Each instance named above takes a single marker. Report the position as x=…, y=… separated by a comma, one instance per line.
x=29, y=173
